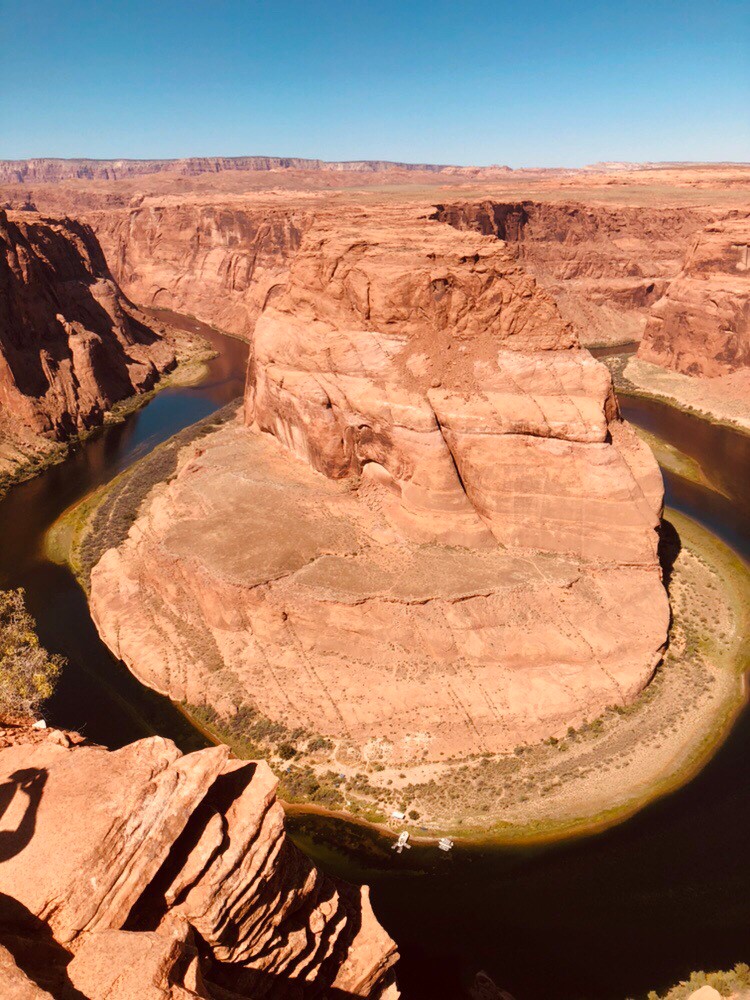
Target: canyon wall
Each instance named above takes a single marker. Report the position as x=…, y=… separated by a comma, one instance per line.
x=145, y=873
x=702, y=324
x=52, y=170
x=605, y=265
x=436, y=500
x=71, y=344
x=212, y=261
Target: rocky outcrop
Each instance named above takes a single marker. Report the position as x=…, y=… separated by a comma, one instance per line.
x=215, y=262
x=145, y=873
x=71, y=345
x=604, y=265
x=430, y=361
x=436, y=500
x=702, y=325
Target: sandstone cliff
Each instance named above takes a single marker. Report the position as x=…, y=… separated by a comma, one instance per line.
x=605, y=265
x=143, y=873
x=71, y=345
x=480, y=549
x=214, y=261
x=702, y=325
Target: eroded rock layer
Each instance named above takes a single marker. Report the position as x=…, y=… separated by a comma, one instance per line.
x=702, y=325
x=605, y=265
x=435, y=537
x=169, y=876
x=71, y=345
x=212, y=261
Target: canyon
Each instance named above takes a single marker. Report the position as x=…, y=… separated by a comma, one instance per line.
x=211, y=237
x=71, y=344
x=605, y=266
x=701, y=326
x=51, y=170
x=428, y=454
x=427, y=537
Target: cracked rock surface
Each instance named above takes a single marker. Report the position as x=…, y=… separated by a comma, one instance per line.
x=147, y=873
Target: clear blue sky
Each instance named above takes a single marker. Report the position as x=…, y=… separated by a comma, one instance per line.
x=528, y=84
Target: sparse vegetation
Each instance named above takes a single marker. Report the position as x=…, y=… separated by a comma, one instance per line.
x=28, y=673
x=735, y=982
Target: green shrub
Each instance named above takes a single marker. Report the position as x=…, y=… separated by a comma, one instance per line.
x=28, y=673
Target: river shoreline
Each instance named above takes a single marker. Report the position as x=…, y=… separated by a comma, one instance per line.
x=723, y=401
x=682, y=854
x=718, y=723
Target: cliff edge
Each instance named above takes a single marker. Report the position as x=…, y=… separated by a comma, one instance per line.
x=145, y=873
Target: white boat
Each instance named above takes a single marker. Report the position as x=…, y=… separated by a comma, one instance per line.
x=445, y=844
x=402, y=842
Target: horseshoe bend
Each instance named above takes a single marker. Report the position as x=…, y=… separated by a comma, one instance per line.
x=375, y=501
x=427, y=535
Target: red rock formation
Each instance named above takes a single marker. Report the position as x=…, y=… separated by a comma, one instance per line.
x=71, y=345
x=124, y=855
x=215, y=262
x=605, y=265
x=480, y=549
x=702, y=325
x=434, y=358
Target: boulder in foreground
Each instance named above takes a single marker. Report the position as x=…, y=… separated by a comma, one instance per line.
x=173, y=874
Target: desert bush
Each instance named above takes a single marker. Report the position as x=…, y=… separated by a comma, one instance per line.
x=28, y=673
x=318, y=743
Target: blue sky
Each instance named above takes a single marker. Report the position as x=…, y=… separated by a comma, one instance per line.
x=528, y=84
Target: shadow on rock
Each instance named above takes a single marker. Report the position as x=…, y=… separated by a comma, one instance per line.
x=670, y=547
x=29, y=781
x=29, y=940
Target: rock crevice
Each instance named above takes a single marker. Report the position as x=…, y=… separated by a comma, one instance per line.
x=180, y=864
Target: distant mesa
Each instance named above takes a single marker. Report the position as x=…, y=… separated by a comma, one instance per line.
x=50, y=170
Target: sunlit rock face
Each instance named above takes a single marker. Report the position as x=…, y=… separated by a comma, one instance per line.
x=434, y=536
x=213, y=260
x=702, y=325
x=433, y=356
x=168, y=876
x=605, y=265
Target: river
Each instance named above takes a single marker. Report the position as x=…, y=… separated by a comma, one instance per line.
x=603, y=917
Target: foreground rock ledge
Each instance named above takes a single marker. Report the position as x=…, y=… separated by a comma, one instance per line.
x=435, y=537
x=145, y=873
